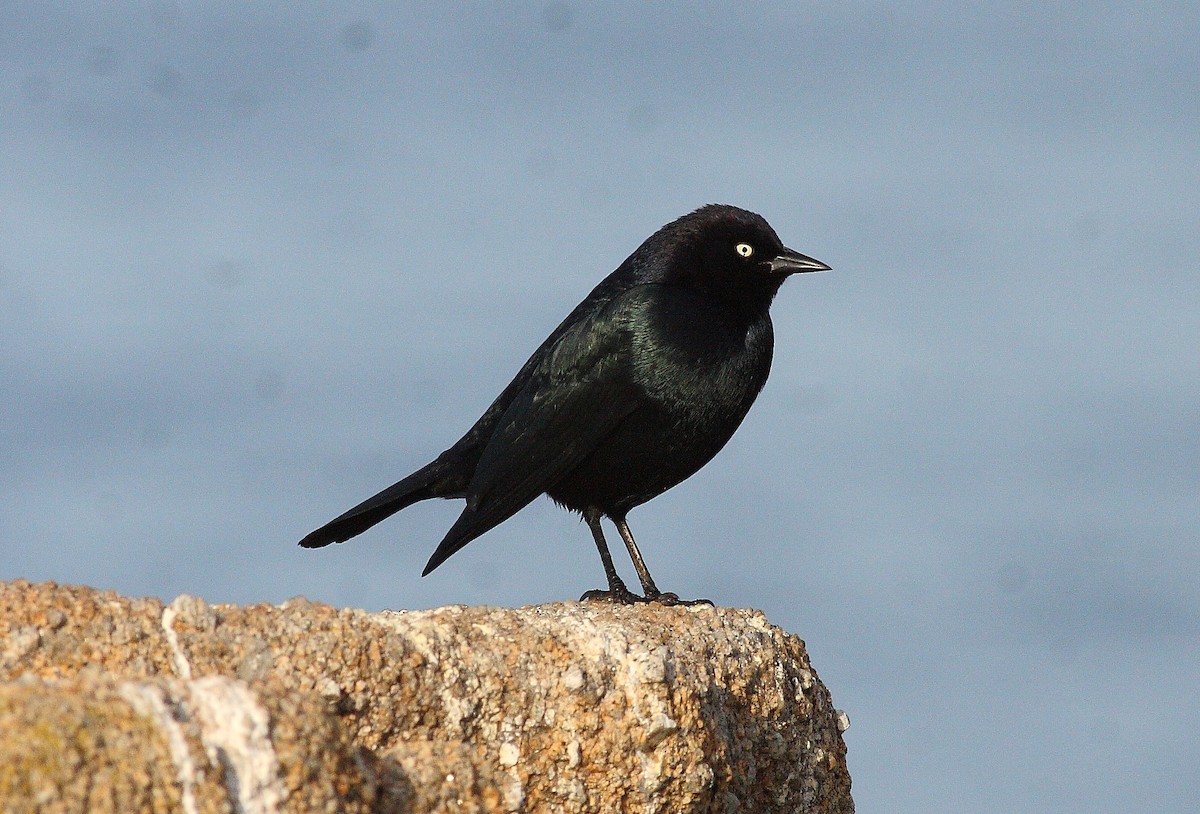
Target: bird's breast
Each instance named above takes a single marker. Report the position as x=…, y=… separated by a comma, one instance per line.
x=702, y=362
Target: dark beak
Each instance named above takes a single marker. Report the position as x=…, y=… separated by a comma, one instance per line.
x=790, y=261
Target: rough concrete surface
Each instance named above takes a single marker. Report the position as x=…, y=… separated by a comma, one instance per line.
x=112, y=704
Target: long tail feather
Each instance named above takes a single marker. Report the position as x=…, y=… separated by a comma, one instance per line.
x=427, y=482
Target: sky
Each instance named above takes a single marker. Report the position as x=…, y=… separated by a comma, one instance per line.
x=259, y=261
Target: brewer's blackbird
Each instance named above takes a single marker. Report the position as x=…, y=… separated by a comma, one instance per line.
x=639, y=387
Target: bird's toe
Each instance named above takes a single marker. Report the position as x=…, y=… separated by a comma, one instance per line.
x=616, y=597
x=671, y=599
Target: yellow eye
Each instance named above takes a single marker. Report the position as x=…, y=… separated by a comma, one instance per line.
x=744, y=249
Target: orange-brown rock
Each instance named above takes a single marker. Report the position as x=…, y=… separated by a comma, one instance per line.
x=116, y=704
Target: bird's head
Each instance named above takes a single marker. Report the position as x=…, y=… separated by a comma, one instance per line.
x=733, y=254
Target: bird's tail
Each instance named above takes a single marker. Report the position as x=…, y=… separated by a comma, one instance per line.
x=437, y=479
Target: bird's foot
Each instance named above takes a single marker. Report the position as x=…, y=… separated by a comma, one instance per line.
x=672, y=599
x=621, y=595
x=617, y=596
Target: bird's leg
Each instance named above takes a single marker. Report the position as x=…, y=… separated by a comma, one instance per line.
x=617, y=592
x=639, y=565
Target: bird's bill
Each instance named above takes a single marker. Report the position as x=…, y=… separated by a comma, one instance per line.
x=790, y=261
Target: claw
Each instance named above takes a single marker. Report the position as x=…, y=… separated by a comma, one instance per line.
x=617, y=597
x=672, y=599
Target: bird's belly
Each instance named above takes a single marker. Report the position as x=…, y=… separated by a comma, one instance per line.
x=648, y=453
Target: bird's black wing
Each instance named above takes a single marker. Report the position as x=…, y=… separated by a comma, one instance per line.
x=577, y=392
x=468, y=448
x=449, y=476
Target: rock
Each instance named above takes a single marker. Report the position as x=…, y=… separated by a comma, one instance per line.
x=126, y=705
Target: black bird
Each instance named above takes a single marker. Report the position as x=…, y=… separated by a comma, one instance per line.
x=639, y=387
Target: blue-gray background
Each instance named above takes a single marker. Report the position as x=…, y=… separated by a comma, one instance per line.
x=257, y=262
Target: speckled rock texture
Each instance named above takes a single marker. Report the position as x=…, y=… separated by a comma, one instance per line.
x=111, y=704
